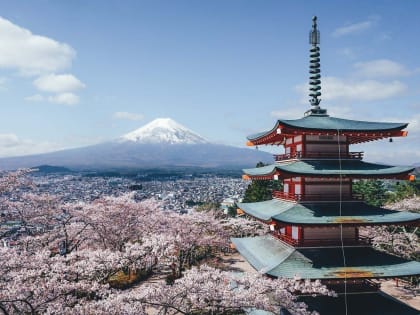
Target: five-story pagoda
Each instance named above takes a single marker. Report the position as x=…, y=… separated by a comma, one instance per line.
x=315, y=219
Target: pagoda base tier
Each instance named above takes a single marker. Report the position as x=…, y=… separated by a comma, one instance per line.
x=370, y=303
x=275, y=258
x=377, y=303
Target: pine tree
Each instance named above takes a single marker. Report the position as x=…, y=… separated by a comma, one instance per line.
x=260, y=190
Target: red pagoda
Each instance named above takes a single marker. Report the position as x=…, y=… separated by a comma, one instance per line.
x=315, y=219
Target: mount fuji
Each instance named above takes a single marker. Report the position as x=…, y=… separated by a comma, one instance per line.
x=163, y=130
x=161, y=143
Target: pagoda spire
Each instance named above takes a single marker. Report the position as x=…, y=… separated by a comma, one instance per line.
x=315, y=71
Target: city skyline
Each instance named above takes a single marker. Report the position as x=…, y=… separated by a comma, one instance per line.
x=75, y=73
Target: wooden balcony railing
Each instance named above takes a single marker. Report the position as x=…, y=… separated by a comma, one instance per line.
x=315, y=197
x=319, y=155
x=361, y=241
x=352, y=285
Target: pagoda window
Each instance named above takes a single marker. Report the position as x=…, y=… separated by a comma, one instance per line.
x=298, y=189
x=297, y=139
x=295, y=232
x=286, y=187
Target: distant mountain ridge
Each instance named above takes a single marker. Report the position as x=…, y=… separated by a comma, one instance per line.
x=161, y=143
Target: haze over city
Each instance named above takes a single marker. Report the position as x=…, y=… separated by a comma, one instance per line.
x=79, y=73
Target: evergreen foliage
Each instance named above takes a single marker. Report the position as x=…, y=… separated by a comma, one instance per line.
x=260, y=190
x=372, y=192
x=232, y=211
x=404, y=190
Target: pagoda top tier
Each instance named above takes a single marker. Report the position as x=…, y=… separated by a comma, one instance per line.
x=356, y=131
x=316, y=120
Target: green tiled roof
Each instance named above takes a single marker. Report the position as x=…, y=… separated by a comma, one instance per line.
x=375, y=303
x=331, y=123
x=276, y=258
x=265, y=170
x=265, y=210
x=263, y=252
x=355, y=212
x=329, y=167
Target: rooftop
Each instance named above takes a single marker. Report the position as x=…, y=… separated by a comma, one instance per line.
x=329, y=167
x=275, y=258
x=354, y=212
x=356, y=131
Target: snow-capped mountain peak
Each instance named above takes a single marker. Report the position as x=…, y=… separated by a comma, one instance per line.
x=163, y=130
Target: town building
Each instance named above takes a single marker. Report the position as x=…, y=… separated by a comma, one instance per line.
x=316, y=218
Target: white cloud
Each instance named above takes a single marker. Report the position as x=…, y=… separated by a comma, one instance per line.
x=334, y=88
x=31, y=54
x=36, y=55
x=12, y=145
x=355, y=27
x=64, y=98
x=381, y=68
x=364, y=90
x=414, y=124
x=8, y=140
x=35, y=98
x=128, y=116
x=58, y=83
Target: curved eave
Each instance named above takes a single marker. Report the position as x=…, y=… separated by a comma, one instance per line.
x=333, y=168
x=307, y=219
x=361, y=263
x=265, y=210
x=260, y=135
x=356, y=131
x=273, y=257
x=391, y=174
x=355, y=213
x=327, y=123
x=268, y=170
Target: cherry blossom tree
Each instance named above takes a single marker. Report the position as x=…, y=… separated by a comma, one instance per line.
x=68, y=263
x=206, y=290
x=408, y=204
x=34, y=283
x=10, y=181
x=240, y=227
x=398, y=240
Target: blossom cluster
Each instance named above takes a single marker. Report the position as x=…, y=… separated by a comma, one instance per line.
x=68, y=257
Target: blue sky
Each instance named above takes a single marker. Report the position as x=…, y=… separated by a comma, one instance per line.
x=73, y=73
